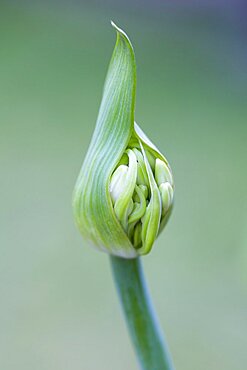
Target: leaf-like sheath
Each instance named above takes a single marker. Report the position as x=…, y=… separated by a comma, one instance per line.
x=92, y=205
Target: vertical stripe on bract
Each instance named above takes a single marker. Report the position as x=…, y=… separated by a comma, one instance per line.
x=92, y=204
x=151, y=219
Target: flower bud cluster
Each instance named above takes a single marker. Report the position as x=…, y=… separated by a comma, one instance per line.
x=141, y=189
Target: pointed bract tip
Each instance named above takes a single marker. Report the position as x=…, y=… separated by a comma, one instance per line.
x=120, y=31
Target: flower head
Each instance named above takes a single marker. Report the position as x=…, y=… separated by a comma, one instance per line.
x=124, y=192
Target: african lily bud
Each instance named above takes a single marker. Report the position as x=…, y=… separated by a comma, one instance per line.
x=124, y=192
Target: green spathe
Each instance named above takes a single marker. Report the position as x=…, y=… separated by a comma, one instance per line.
x=118, y=196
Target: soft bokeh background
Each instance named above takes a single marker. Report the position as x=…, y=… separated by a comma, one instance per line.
x=59, y=308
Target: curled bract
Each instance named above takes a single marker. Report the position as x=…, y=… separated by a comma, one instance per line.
x=124, y=193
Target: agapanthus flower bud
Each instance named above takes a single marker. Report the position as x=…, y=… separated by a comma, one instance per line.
x=124, y=192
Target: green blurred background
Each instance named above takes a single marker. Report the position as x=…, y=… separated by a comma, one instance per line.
x=59, y=309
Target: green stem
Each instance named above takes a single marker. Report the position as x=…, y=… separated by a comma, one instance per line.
x=142, y=322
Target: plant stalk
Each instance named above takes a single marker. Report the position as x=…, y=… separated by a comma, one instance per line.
x=144, y=329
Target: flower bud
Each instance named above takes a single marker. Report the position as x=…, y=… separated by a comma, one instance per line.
x=124, y=192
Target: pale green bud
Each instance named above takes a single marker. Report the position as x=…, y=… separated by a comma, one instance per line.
x=162, y=172
x=166, y=192
x=124, y=192
x=118, y=180
x=139, y=207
